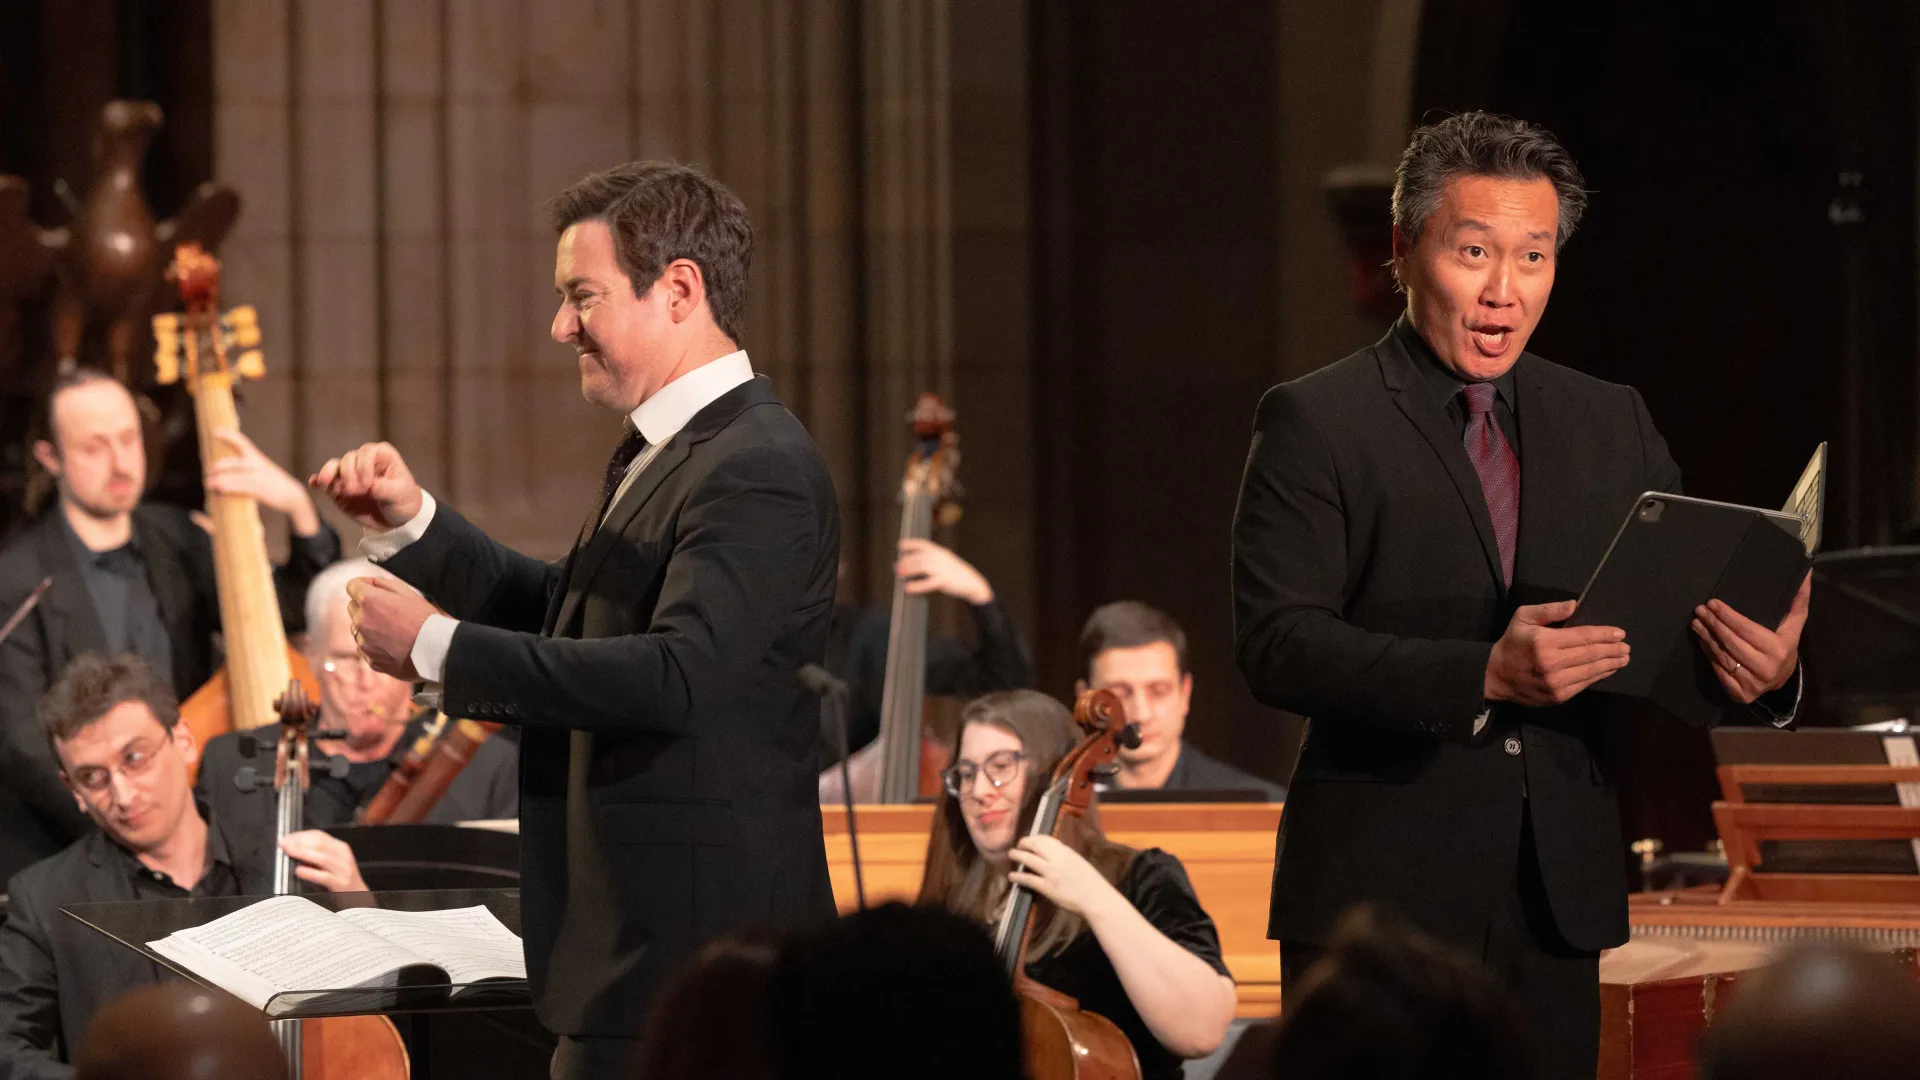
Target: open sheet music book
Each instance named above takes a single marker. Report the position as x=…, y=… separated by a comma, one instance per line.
x=289, y=945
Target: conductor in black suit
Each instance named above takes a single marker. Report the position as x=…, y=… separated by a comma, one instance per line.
x=1413, y=523
x=667, y=782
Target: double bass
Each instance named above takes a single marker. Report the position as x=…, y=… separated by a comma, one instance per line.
x=333, y=1047
x=1063, y=1041
x=903, y=764
x=210, y=351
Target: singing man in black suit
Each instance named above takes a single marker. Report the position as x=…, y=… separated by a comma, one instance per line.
x=667, y=783
x=1412, y=524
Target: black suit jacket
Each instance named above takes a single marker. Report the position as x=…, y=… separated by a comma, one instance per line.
x=667, y=788
x=37, y=814
x=55, y=973
x=1367, y=595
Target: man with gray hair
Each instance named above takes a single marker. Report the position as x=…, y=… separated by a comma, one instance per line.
x=1414, y=523
x=380, y=721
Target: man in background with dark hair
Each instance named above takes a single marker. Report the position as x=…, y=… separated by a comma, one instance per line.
x=128, y=577
x=126, y=762
x=668, y=794
x=1414, y=523
x=1140, y=653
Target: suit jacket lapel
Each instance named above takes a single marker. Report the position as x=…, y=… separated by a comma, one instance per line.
x=1410, y=388
x=172, y=585
x=586, y=560
x=705, y=424
x=1544, y=466
x=68, y=606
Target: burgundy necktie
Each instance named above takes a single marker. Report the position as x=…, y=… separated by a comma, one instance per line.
x=1499, y=471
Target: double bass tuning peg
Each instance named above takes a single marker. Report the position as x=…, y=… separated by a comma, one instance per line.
x=336, y=766
x=248, y=779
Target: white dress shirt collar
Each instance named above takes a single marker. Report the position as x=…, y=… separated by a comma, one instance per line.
x=661, y=416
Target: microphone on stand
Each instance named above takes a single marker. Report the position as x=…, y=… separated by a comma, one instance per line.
x=833, y=694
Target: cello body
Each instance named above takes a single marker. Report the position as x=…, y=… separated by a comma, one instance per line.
x=352, y=1048
x=1064, y=1042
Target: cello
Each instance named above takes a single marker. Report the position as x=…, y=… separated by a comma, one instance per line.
x=1063, y=1041
x=198, y=346
x=333, y=1047
x=903, y=764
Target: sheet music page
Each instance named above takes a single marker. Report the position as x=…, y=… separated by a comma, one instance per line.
x=284, y=943
x=1808, y=501
x=470, y=943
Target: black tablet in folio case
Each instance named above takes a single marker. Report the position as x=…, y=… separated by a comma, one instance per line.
x=1674, y=553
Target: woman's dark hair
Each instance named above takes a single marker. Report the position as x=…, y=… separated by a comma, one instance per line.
x=1482, y=144
x=711, y=1020
x=959, y=879
x=889, y=992
x=1387, y=1002
x=659, y=211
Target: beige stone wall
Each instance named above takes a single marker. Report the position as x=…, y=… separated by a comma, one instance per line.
x=393, y=155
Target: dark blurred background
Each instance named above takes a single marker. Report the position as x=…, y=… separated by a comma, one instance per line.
x=1101, y=229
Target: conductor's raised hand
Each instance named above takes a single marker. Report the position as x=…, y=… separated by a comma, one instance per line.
x=372, y=485
x=1537, y=663
x=387, y=617
x=1748, y=658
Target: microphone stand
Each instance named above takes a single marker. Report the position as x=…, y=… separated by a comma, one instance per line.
x=833, y=694
x=33, y=599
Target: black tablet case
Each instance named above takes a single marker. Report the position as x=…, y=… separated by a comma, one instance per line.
x=1672, y=554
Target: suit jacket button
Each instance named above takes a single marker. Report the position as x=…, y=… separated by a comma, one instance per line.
x=1511, y=746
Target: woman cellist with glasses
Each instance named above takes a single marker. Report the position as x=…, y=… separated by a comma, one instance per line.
x=1118, y=929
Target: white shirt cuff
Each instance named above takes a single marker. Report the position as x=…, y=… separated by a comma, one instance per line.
x=386, y=543
x=1479, y=722
x=429, y=653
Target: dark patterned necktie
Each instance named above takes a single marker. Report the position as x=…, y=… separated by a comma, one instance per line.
x=1499, y=471
x=631, y=446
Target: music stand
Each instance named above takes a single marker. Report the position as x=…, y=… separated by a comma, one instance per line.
x=1862, y=640
x=134, y=923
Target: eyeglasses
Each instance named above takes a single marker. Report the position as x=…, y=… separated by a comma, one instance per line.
x=346, y=667
x=135, y=760
x=1000, y=767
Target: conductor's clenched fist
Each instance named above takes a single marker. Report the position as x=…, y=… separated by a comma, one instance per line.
x=387, y=618
x=372, y=485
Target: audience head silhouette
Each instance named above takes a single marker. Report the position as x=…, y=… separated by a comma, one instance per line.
x=1388, y=1003
x=894, y=991
x=711, y=1020
x=1819, y=1010
x=178, y=1031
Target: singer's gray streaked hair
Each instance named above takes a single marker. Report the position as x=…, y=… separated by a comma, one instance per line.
x=1483, y=144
